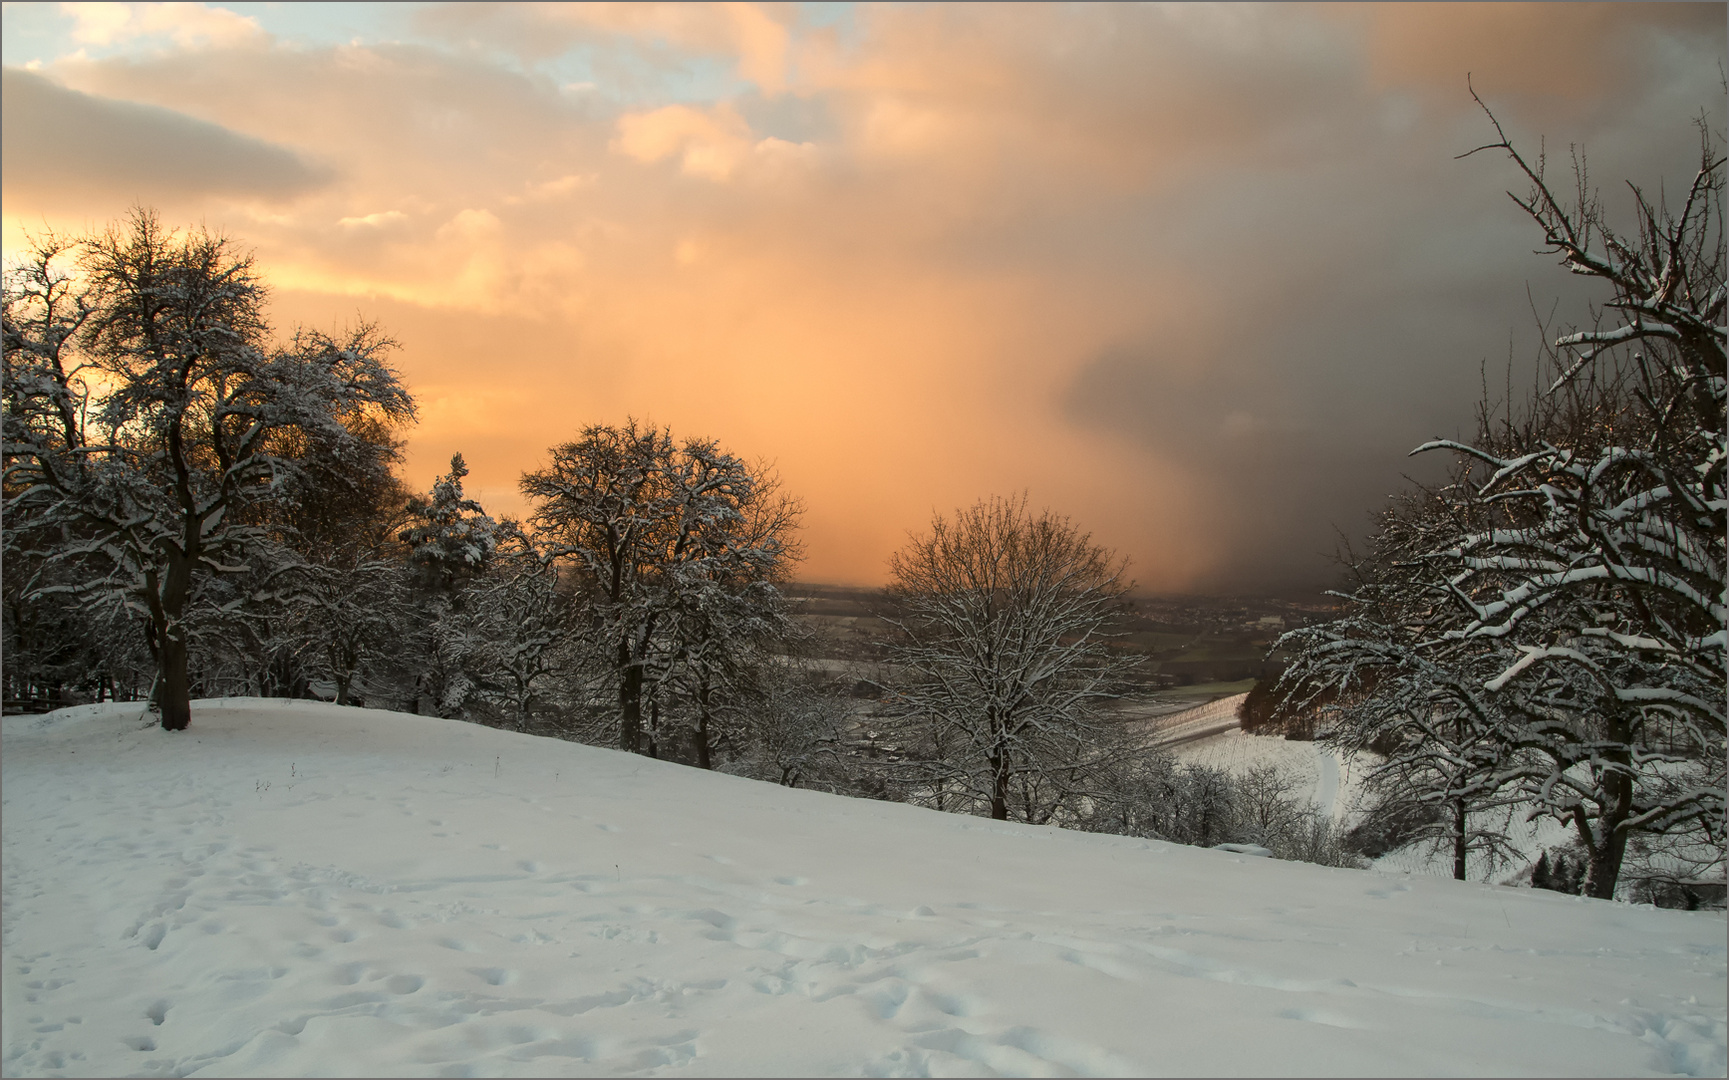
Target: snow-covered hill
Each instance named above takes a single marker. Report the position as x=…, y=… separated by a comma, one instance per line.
x=298, y=889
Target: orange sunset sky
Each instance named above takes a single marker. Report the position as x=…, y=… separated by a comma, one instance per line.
x=1196, y=276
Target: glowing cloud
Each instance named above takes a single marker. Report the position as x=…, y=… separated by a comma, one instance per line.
x=1197, y=276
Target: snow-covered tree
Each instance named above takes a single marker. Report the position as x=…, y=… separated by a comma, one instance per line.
x=667, y=542
x=452, y=537
x=1607, y=572
x=147, y=411
x=355, y=595
x=451, y=543
x=730, y=624
x=1385, y=683
x=791, y=729
x=1556, y=631
x=523, y=623
x=1004, y=659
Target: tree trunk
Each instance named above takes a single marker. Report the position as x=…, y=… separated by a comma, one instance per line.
x=702, y=755
x=174, y=686
x=654, y=727
x=174, y=693
x=629, y=703
x=1610, y=844
x=999, y=762
x=999, y=788
x=347, y=663
x=1460, y=839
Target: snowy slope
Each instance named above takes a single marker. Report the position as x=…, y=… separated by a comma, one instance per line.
x=306, y=890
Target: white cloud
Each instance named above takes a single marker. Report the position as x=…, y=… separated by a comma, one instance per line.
x=100, y=24
x=187, y=25
x=471, y=224
x=383, y=217
x=711, y=142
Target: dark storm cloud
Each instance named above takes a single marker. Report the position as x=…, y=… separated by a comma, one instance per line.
x=59, y=141
x=1363, y=295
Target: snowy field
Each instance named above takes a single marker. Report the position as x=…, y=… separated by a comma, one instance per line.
x=298, y=889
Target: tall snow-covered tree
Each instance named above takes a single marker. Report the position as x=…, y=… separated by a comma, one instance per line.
x=353, y=597
x=729, y=620
x=1578, y=610
x=144, y=414
x=651, y=527
x=1003, y=619
x=1609, y=579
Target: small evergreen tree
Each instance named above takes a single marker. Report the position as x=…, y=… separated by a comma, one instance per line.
x=450, y=544
x=452, y=539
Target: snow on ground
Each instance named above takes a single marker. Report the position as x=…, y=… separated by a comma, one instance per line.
x=300, y=889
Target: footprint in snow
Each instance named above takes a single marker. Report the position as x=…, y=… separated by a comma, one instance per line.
x=956, y=1004
x=349, y=974
x=1315, y=1016
x=404, y=984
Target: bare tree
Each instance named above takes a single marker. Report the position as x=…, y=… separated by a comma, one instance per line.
x=1003, y=620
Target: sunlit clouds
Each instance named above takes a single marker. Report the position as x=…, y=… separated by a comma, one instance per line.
x=1196, y=276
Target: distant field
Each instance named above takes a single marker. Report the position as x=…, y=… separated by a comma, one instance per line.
x=1195, y=650
x=1209, y=691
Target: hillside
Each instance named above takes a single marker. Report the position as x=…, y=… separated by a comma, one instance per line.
x=301, y=889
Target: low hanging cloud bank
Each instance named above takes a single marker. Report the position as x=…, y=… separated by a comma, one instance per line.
x=67, y=149
x=1198, y=277
x=301, y=889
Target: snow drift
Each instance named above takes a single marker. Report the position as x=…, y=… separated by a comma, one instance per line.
x=301, y=889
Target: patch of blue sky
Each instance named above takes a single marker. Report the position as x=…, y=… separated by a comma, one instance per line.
x=628, y=72
x=34, y=34
x=838, y=16
x=322, y=24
